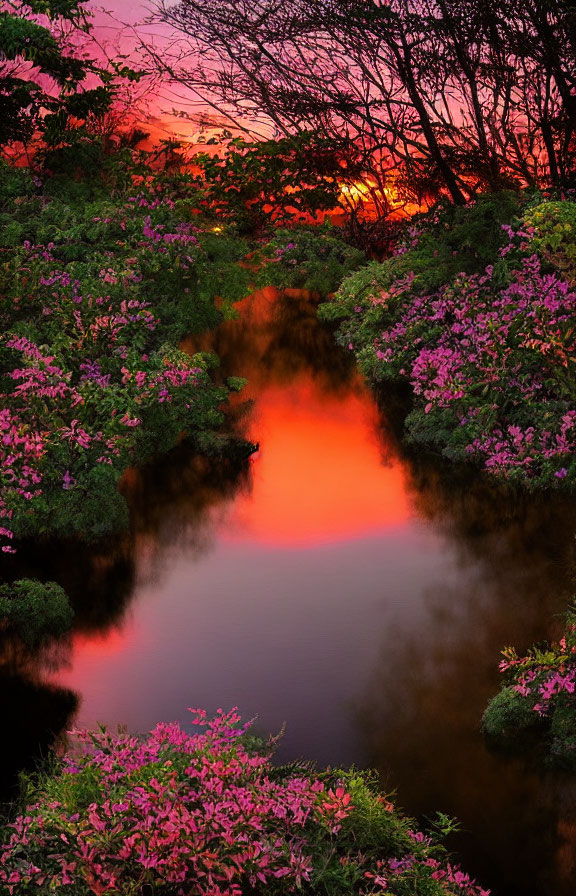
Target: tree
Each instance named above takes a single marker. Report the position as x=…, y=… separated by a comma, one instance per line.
x=274, y=181
x=49, y=86
x=443, y=96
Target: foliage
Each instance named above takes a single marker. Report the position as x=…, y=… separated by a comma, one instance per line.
x=449, y=239
x=438, y=97
x=130, y=815
x=509, y=724
x=554, y=235
x=314, y=258
x=34, y=610
x=435, y=247
x=538, y=699
x=46, y=85
x=489, y=355
x=94, y=298
x=271, y=181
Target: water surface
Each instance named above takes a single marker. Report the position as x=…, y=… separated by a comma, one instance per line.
x=334, y=587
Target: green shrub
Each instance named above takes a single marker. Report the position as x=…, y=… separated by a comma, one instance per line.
x=508, y=721
x=314, y=258
x=554, y=235
x=536, y=708
x=34, y=610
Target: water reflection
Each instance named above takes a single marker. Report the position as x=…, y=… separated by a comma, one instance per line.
x=477, y=512
x=177, y=505
x=332, y=583
x=316, y=425
x=420, y=716
x=276, y=338
x=420, y=713
x=264, y=617
x=100, y=581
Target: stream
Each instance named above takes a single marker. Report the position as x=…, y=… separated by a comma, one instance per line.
x=330, y=586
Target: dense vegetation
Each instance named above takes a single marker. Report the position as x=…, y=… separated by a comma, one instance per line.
x=34, y=611
x=106, y=264
x=96, y=293
x=99, y=282
x=476, y=311
x=257, y=184
x=175, y=810
x=535, y=712
x=313, y=258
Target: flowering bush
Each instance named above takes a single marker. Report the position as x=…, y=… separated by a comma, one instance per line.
x=490, y=357
x=315, y=259
x=539, y=699
x=94, y=298
x=180, y=813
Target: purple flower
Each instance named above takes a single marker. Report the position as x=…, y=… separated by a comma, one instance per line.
x=67, y=480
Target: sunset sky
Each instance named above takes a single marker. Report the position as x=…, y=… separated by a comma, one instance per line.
x=116, y=26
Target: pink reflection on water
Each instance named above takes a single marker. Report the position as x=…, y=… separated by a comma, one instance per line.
x=226, y=626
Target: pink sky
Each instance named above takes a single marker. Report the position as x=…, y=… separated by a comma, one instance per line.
x=115, y=24
x=131, y=11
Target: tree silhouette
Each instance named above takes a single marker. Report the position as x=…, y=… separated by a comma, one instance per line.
x=442, y=96
x=50, y=87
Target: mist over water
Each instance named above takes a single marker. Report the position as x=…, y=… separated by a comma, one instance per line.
x=328, y=584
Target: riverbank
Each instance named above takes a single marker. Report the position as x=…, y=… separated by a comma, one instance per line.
x=98, y=286
x=476, y=312
x=97, y=291
x=219, y=572
x=187, y=619
x=159, y=814
x=534, y=715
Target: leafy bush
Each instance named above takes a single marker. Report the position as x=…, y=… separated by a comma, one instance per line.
x=452, y=239
x=537, y=706
x=315, y=259
x=554, y=235
x=174, y=811
x=14, y=183
x=34, y=610
x=509, y=722
x=271, y=181
x=432, y=249
x=94, y=299
x=490, y=356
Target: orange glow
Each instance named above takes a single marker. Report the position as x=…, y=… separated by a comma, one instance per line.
x=358, y=190
x=365, y=193
x=319, y=475
x=94, y=644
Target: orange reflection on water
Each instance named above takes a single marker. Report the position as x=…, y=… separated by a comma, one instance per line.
x=94, y=644
x=319, y=475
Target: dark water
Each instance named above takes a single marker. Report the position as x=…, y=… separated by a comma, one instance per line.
x=327, y=584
